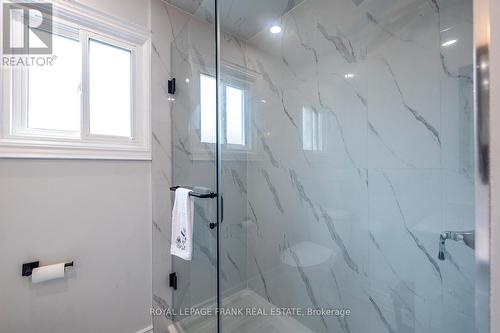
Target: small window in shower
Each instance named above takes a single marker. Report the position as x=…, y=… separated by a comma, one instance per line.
x=311, y=129
x=235, y=124
x=207, y=108
x=233, y=112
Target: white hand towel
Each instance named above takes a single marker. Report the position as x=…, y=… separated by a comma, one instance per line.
x=182, y=225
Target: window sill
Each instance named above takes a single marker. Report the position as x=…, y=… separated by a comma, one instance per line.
x=10, y=148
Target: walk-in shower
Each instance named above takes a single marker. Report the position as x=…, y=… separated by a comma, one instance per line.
x=339, y=136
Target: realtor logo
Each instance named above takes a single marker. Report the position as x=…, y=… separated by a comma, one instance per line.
x=27, y=28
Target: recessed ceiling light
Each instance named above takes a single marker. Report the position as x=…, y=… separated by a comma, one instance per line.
x=263, y=101
x=275, y=29
x=449, y=42
x=349, y=76
x=187, y=80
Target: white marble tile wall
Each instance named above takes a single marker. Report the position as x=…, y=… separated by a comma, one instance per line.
x=394, y=171
x=166, y=24
x=193, y=54
x=356, y=224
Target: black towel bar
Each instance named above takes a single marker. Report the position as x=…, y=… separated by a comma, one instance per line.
x=195, y=194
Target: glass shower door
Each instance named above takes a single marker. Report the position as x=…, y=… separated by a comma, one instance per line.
x=194, y=164
x=347, y=150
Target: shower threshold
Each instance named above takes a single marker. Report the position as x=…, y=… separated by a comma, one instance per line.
x=243, y=299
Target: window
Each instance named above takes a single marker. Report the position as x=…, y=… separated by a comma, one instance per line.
x=233, y=112
x=91, y=101
x=207, y=108
x=54, y=91
x=311, y=130
x=110, y=89
x=235, y=130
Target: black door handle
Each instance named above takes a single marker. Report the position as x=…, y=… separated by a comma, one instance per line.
x=221, y=209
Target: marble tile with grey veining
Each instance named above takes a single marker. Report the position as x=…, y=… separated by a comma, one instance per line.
x=394, y=107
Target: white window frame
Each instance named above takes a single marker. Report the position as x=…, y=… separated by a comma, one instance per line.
x=17, y=140
x=244, y=116
x=233, y=83
x=17, y=123
x=316, y=129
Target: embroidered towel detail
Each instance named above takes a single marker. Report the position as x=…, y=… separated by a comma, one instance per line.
x=182, y=225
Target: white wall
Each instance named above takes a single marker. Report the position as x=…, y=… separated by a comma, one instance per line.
x=135, y=11
x=97, y=213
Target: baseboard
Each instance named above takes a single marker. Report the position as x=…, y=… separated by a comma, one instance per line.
x=148, y=329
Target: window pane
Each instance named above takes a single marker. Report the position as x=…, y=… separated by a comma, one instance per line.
x=234, y=116
x=110, y=90
x=16, y=28
x=54, y=91
x=207, y=108
x=311, y=129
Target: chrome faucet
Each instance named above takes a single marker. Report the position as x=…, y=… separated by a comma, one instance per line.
x=466, y=237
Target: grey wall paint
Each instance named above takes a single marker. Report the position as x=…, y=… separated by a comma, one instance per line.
x=96, y=213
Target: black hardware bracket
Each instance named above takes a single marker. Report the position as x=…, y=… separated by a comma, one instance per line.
x=171, y=86
x=28, y=267
x=173, y=280
x=221, y=208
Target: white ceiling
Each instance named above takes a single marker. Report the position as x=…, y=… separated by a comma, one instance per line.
x=242, y=18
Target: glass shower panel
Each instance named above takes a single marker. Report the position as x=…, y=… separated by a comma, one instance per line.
x=358, y=153
x=194, y=163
